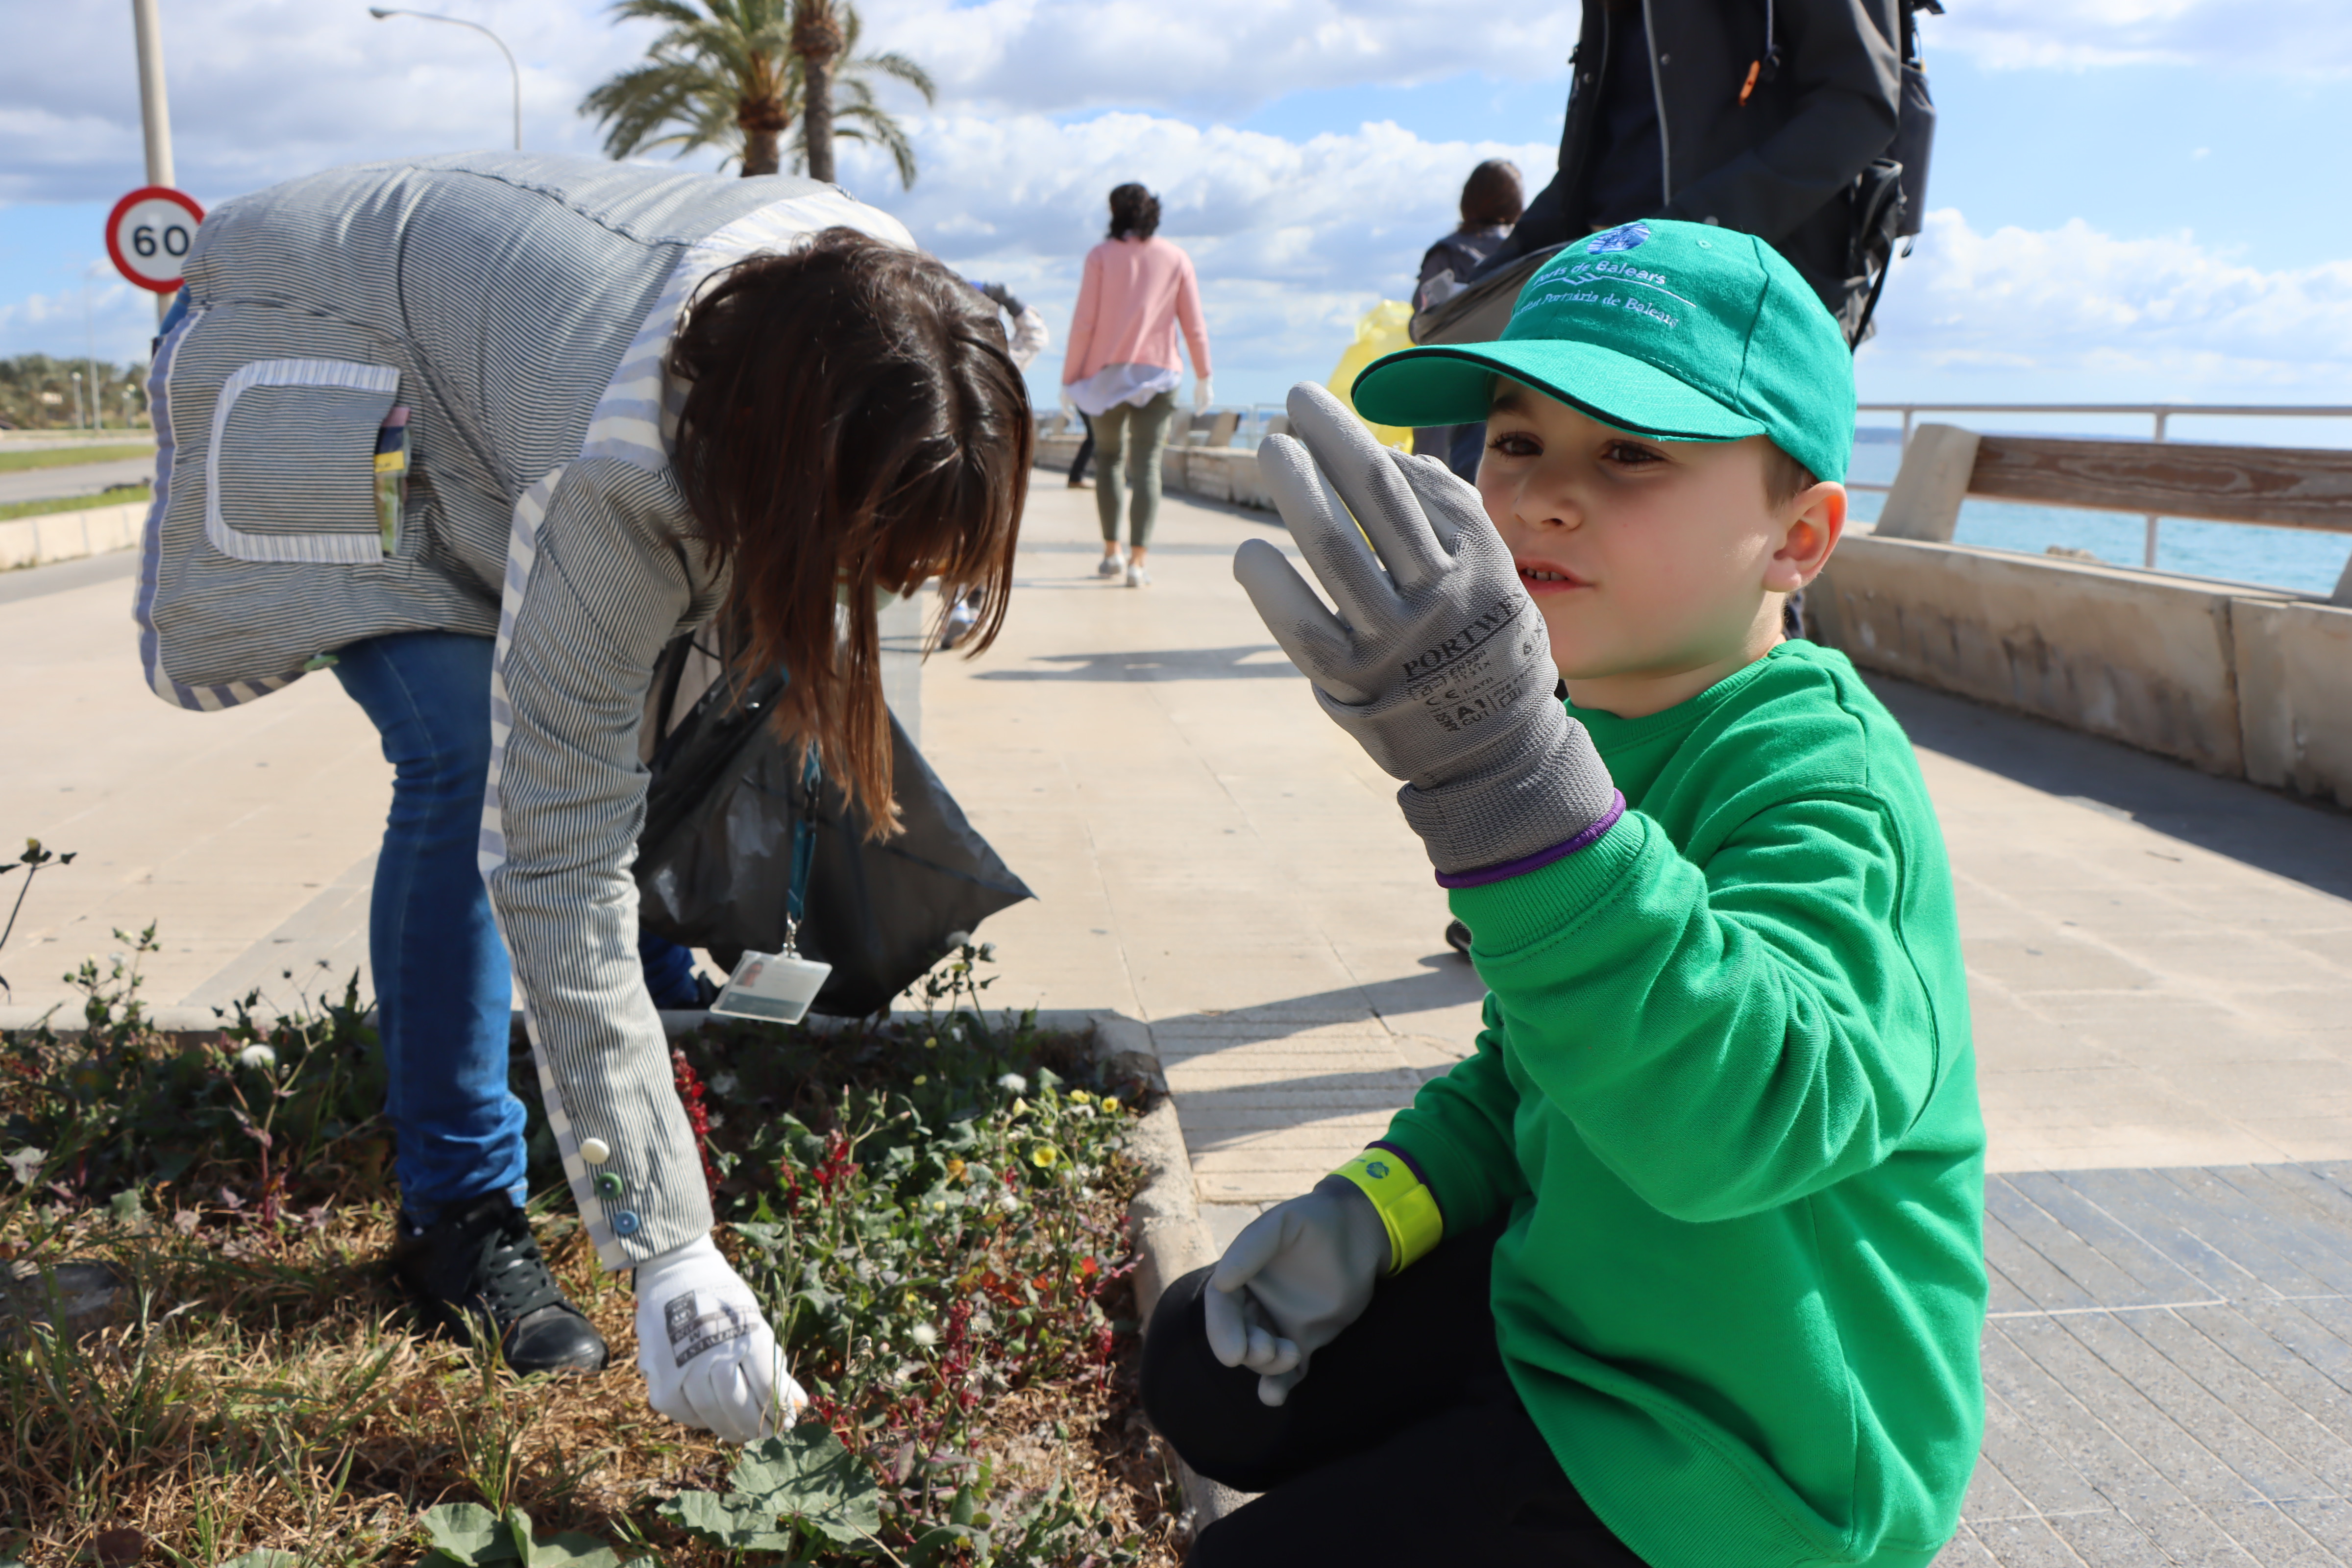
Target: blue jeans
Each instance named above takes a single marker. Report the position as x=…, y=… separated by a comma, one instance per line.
x=444, y=989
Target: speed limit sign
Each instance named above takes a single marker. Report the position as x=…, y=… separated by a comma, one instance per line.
x=149, y=233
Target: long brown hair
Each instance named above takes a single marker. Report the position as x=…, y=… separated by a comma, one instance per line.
x=852, y=422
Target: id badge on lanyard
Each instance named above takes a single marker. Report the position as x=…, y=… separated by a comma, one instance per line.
x=777, y=987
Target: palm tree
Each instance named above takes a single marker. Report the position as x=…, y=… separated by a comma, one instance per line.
x=745, y=72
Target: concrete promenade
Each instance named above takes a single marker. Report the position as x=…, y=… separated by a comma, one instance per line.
x=2160, y=966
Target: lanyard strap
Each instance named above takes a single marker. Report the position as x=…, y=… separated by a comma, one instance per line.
x=803, y=842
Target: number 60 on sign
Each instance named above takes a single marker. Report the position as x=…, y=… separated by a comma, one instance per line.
x=149, y=234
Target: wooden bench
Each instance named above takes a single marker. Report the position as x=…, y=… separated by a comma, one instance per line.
x=2280, y=487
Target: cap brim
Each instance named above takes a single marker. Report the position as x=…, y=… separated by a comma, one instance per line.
x=1450, y=384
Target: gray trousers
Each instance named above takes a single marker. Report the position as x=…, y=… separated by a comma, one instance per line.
x=1142, y=436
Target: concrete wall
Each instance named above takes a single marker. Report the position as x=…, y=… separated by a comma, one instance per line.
x=1225, y=474
x=2295, y=696
x=2141, y=658
x=2234, y=680
x=68, y=535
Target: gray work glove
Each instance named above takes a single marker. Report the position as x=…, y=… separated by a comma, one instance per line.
x=1437, y=662
x=1293, y=1279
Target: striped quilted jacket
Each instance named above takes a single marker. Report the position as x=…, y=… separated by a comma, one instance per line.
x=518, y=309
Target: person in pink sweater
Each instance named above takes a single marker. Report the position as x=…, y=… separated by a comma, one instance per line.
x=1122, y=370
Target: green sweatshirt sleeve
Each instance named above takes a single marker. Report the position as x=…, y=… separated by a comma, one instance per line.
x=1724, y=1040
x=1458, y=1133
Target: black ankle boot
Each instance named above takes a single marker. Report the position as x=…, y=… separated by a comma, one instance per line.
x=479, y=1258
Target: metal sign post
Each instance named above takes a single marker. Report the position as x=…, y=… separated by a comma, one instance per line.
x=155, y=120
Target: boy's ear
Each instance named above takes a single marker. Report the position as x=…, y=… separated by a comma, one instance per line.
x=1815, y=523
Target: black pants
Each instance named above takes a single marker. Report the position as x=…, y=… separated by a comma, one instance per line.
x=1086, y=451
x=1405, y=1444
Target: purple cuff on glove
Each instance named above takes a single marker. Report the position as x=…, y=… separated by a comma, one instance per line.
x=1541, y=858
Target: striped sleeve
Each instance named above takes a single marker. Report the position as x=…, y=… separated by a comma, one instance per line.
x=595, y=585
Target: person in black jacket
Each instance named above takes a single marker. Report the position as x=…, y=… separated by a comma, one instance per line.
x=1758, y=115
x=1492, y=200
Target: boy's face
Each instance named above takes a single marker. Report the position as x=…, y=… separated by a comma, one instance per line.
x=1658, y=565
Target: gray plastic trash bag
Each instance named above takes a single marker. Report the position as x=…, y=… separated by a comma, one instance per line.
x=714, y=860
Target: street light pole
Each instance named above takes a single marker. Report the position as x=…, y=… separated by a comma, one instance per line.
x=154, y=109
x=381, y=13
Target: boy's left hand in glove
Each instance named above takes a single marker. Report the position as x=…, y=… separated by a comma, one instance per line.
x=1293, y=1279
x=1437, y=663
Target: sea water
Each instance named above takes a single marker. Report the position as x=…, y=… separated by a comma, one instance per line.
x=2295, y=558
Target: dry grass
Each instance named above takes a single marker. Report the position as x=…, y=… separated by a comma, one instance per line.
x=279, y=1398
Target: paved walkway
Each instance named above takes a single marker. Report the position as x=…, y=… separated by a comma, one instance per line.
x=2160, y=967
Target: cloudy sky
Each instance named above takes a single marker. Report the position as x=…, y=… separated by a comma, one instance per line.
x=2131, y=199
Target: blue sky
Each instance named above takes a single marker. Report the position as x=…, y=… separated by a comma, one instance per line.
x=2132, y=199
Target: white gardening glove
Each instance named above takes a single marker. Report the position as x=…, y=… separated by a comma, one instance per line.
x=1293, y=1279
x=1203, y=394
x=708, y=1356
x=1437, y=663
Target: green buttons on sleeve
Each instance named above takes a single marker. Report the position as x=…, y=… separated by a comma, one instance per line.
x=609, y=1184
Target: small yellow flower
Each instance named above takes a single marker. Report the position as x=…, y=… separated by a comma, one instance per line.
x=1080, y=1096
x=1044, y=1156
x=1110, y=1102
x=930, y=1042
x=921, y=1079
x=955, y=1170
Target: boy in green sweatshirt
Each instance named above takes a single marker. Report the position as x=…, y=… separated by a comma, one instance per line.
x=1684, y=1266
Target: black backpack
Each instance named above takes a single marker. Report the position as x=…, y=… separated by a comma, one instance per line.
x=1890, y=197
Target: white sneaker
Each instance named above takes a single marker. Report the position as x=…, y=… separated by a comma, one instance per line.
x=1110, y=565
x=1137, y=576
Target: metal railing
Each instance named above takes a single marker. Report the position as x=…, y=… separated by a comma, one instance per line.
x=2160, y=414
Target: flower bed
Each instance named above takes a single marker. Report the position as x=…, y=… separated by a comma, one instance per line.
x=931, y=1212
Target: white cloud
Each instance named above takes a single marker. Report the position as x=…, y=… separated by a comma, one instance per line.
x=1218, y=57
x=2288, y=37
x=2072, y=314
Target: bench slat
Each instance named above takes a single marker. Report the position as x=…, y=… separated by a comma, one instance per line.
x=2283, y=487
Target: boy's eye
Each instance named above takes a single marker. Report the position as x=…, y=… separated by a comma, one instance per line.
x=1515, y=444
x=1626, y=455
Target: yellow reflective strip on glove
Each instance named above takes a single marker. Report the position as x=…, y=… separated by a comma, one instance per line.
x=1407, y=1207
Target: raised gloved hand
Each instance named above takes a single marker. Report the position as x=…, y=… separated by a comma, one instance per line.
x=1437, y=662
x=1293, y=1279
x=1203, y=394
x=708, y=1356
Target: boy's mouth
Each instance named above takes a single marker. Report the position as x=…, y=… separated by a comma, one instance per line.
x=1547, y=578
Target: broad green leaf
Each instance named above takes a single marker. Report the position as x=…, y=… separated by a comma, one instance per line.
x=745, y=1524
x=469, y=1532
x=806, y=1473
x=565, y=1549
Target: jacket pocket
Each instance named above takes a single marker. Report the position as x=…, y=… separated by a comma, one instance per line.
x=291, y=472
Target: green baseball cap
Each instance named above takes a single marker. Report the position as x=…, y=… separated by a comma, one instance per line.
x=1680, y=331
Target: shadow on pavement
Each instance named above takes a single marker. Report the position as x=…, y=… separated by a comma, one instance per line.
x=1156, y=664
x=2304, y=843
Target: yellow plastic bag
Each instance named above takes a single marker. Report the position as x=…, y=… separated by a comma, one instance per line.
x=1381, y=332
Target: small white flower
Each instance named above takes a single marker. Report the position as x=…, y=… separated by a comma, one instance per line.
x=256, y=1055
x=725, y=1083
x=924, y=1335
x=1014, y=1083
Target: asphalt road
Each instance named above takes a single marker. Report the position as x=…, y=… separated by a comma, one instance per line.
x=75, y=480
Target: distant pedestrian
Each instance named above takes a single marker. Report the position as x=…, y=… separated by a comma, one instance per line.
x=1122, y=371
x=1492, y=200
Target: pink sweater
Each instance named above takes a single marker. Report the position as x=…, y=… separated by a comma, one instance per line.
x=1134, y=294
